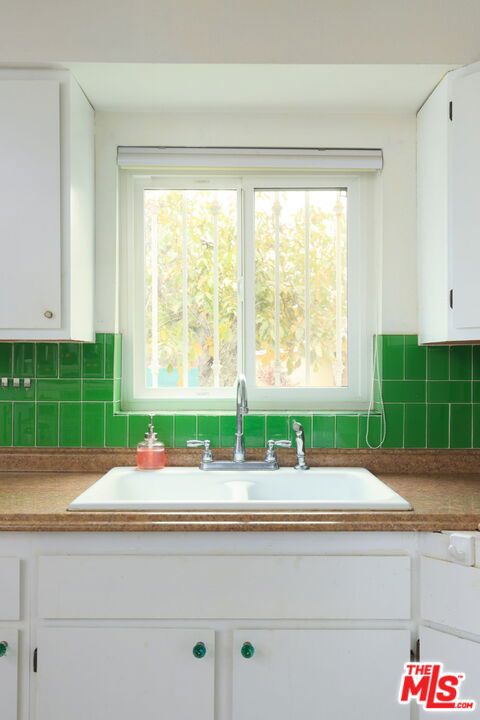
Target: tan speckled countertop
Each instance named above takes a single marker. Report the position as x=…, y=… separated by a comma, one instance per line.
x=37, y=500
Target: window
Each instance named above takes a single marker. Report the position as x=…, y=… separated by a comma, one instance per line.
x=260, y=274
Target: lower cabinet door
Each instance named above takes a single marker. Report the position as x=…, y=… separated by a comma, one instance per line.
x=8, y=674
x=329, y=674
x=124, y=673
x=458, y=656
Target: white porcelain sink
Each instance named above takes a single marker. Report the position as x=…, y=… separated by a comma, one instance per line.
x=180, y=488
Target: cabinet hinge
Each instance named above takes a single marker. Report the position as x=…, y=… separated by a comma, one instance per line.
x=35, y=660
x=415, y=653
x=450, y=110
x=451, y=299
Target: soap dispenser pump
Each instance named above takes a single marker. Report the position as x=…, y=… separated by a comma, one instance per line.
x=151, y=453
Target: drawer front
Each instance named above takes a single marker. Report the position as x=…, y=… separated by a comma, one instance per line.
x=332, y=587
x=9, y=589
x=450, y=594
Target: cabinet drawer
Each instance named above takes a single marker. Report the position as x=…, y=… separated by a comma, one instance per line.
x=10, y=589
x=450, y=594
x=330, y=587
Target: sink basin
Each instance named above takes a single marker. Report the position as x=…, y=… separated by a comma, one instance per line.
x=181, y=488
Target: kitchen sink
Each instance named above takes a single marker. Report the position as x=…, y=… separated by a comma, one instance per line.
x=187, y=488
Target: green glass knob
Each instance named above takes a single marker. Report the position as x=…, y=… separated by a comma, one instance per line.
x=3, y=647
x=248, y=651
x=199, y=650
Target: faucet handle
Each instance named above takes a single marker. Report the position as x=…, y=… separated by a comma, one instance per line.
x=271, y=456
x=207, y=456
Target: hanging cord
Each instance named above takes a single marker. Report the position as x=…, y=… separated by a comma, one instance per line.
x=383, y=421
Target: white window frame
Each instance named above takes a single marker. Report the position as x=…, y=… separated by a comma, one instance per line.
x=135, y=396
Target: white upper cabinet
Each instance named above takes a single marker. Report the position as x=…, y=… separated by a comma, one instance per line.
x=46, y=207
x=448, y=209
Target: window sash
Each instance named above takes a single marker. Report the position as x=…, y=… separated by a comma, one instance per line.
x=132, y=302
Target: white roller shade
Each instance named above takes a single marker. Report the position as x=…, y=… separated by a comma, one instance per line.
x=213, y=157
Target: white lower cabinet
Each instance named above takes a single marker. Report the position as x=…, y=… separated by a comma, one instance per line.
x=458, y=655
x=122, y=673
x=8, y=673
x=332, y=674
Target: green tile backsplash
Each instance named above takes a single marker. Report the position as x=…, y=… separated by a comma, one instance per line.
x=431, y=395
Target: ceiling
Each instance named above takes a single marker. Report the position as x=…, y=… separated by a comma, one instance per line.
x=240, y=31
x=262, y=88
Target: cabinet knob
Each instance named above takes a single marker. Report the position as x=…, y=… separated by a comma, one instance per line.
x=248, y=651
x=48, y=314
x=3, y=647
x=199, y=650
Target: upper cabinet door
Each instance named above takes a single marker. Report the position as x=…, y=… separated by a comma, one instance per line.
x=464, y=227
x=448, y=210
x=30, y=245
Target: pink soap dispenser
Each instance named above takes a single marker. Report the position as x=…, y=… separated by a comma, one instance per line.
x=151, y=453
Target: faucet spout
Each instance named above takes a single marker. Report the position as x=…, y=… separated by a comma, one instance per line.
x=242, y=409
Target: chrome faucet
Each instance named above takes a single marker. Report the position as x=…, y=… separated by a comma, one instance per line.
x=300, y=444
x=239, y=461
x=242, y=409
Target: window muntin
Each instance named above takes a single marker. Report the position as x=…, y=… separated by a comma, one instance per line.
x=346, y=388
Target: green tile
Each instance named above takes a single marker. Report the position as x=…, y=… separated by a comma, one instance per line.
x=116, y=428
x=117, y=390
x=137, y=427
x=476, y=426
x=164, y=429
x=93, y=424
x=374, y=428
x=476, y=362
x=117, y=358
x=277, y=427
x=415, y=359
x=394, y=418
x=6, y=359
x=404, y=391
x=70, y=360
x=324, y=431
x=47, y=360
x=93, y=358
x=415, y=425
x=346, y=431
x=476, y=391
x=438, y=418
x=438, y=363
x=209, y=429
x=227, y=431
x=47, y=424
x=20, y=393
x=6, y=426
x=66, y=390
x=307, y=423
x=24, y=424
x=461, y=362
x=392, y=357
x=185, y=427
x=456, y=391
x=109, y=341
x=24, y=360
x=98, y=390
x=255, y=431
x=460, y=426
x=70, y=424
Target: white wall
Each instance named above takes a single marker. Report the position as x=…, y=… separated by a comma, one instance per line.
x=395, y=134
